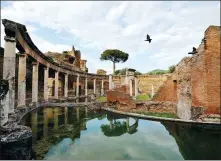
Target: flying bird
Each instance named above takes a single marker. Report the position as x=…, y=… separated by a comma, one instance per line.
x=148, y=38
x=194, y=51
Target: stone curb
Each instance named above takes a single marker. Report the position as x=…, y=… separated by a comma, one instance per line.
x=158, y=118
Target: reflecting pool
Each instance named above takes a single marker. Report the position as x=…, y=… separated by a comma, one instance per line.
x=77, y=133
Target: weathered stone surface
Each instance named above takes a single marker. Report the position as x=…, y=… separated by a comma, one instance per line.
x=156, y=106
x=16, y=142
x=121, y=97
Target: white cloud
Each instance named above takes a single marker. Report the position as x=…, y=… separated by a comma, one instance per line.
x=173, y=26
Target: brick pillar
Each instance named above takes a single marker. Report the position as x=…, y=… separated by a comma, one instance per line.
x=35, y=82
x=22, y=80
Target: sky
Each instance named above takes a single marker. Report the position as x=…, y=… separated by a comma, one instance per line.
x=92, y=27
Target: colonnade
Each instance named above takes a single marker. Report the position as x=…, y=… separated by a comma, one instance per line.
x=9, y=68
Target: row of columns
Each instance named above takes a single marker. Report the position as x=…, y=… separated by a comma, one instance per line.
x=22, y=82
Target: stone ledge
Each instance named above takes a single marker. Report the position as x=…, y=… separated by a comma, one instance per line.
x=159, y=118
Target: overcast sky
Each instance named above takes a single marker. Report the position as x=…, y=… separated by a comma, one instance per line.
x=92, y=27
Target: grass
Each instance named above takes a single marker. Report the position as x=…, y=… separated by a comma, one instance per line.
x=102, y=99
x=159, y=114
x=143, y=97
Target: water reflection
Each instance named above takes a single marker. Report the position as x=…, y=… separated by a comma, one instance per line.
x=67, y=133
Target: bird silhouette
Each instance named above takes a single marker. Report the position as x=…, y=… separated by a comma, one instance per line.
x=148, y=38
x=194, y=51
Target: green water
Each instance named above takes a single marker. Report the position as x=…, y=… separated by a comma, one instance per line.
x=76, y=133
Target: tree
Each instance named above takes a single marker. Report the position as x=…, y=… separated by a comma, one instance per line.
x=172, y=69
x=114, y=55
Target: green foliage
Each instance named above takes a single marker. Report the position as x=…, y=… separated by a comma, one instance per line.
x=158, y=72
x=123, y=72
x=171, y=69
x=102, y=99
x=143, y=97
x=114, y=55
x=138, y=73
x=158, y=114
x=120, y=72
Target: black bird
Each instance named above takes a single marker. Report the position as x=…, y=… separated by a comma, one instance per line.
x=148, y=38
x=194, y=51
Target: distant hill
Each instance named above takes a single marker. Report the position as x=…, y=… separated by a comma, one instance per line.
x=158, y=71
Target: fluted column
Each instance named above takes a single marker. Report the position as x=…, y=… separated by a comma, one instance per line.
x=152, y=91
x=136, y=86
x=102, y=87
x=56, y=84
x=110, y=81
x=66, y=85
x=86, y=86
x=131, y=88
x=21, y=80
x=94, y=86
x=46, y=69
x=7, y=104
x=35, y=82
x=77, y=86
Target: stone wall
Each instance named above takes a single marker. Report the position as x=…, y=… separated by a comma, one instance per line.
x=144, y=82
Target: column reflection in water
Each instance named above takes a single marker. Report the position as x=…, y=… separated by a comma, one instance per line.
x=66, y=115
x=55, y=117
x=45, y=127
x=85, y=112
x=34, y=125
x=77, y=113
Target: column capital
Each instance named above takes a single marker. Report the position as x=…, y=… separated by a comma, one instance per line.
x=9, y=39
x=35, y=63
x=46, y=68
x=21, y=54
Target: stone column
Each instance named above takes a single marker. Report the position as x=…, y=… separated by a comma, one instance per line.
x=66, y=85
x=136, y=87
x=86, y=86
x=56, y=84
x=35, y=82
x=94, y=86
x=102, y=87
x=110, y=81
x=152, y=91
x=22, y=80
x=131, y=87
x=46, y=69
x=77, y=86
x=7, y=104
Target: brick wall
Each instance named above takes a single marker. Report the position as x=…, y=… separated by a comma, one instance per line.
x=167, y=91
x=198, y=80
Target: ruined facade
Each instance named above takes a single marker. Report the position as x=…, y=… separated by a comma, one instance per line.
x=195, y=84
